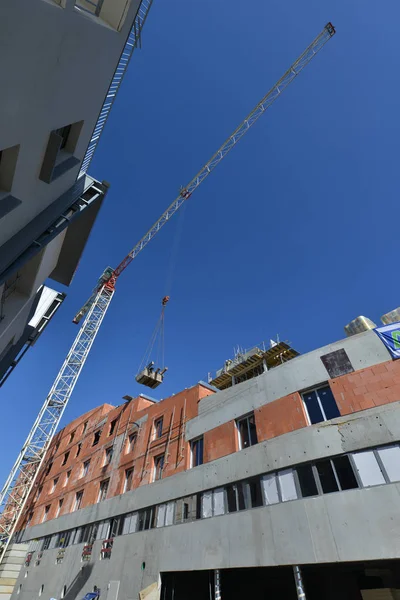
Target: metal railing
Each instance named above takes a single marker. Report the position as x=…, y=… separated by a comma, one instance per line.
x=131, y=43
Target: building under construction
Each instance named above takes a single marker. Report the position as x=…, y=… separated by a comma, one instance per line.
x=283, y=485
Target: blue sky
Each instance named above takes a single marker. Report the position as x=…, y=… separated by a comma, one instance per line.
x=294, y=233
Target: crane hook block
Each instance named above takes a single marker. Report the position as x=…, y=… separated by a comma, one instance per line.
x=165, y=300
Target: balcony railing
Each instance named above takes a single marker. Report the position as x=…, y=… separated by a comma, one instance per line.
x=132, y=42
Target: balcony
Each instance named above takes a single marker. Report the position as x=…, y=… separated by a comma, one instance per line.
x=112, y=12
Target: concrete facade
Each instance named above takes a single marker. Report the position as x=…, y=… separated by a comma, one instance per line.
x=111, y=545
x=57, y=62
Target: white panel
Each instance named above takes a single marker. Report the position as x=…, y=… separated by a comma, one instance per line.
x=133, y=523
x=219, y=501
x=390, y=456
x=169, y=515
x=270, y=489
x=368, y=468
x=127, y=524
x=288, y=487
x=206, y=505
x=161, y=510
x=46, y=299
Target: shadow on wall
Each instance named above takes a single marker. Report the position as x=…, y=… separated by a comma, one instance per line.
x=79, y=582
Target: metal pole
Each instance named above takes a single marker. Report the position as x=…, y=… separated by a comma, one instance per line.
x=298, y=579
x=217, y=585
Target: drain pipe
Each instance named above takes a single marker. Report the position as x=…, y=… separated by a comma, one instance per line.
x=298, y=579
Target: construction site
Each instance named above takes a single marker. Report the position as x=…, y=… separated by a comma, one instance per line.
x=276, y=475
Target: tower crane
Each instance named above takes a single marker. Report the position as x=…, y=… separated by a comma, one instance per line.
x=22, y=477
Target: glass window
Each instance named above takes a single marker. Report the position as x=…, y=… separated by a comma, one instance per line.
x=307, y=482
x=247, y=432
x=65, y=460
x=218, y=502
x=128, y=479
x=131, y=442
x=78, y=449
x=96, y=437
x=78, y=500
x=328, y=402
x=158, y=467
x=158, y=427
x=103, y=490
x=112, y=427
x=161, y=512
x=287, y=485
x=108, y=455
x=85, y=468
x=327, y=476
x=368, y=468
x=254, y=488
x=390, y=457
x=169, y=515
x=206, y=505
x=197, y=452
x=270, y=488
x=345, y=473
x=320, y=404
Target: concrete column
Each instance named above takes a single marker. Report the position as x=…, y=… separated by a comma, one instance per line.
x=217, y=585
x=299, y=583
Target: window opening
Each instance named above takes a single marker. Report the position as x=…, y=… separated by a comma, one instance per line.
x=247, y=432
x=320, y=404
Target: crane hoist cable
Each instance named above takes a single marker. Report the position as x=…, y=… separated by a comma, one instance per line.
x=151, y=372
x=19, y=483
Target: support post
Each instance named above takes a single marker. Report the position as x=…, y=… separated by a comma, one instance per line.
x=217, y=585
x=298, y=579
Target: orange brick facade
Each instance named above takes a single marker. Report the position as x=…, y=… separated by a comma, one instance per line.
x=354, y=392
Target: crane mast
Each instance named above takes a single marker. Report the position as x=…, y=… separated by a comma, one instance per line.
x=22, y=477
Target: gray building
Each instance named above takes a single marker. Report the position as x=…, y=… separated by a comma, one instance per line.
x=296, y=496
x=61, y=65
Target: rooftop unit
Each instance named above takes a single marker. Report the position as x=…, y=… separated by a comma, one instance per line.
x=358, y=325
x=247, y=364
x=391, y=317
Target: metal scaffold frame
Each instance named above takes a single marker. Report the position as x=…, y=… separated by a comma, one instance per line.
x=22, y=477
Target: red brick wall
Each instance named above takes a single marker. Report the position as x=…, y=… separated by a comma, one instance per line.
x=175, y=411
x=280, y=416
x=220, y=441
x=367, y=388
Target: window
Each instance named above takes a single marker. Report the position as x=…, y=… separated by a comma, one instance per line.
x=8, y=163
x=146, y=519
x=186, y=509
x=158, y=467
x=368, y=468
x=46, y=513
x=390, y=457
x=337, y=363
x=55, y=481
x=85, y=468
x=197, y=452
x=78, y=450
x=46, y=542
x=165, y=514
x=67, y=476
x=130, y=523
x=59, y=507
x=96, y=437
x=287, y=485
x=327, y=477
x=40, y=488
x=131, y=442
x=65, y=460
x=307, y=483
x=71, y=437
x=158, y=428
x=78, y=500
x=320, y=405
x=59, y=156
x=108, y=11
x=49, y=467
x=108, y=455
x=128, y=480
x=235, y=497
x=30, y=517
x=103, y=490
x=84, y=427
x=247, y=431
x=213, y=503
x=112, y=427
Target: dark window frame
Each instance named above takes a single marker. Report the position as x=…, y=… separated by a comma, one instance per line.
x=251, y=442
